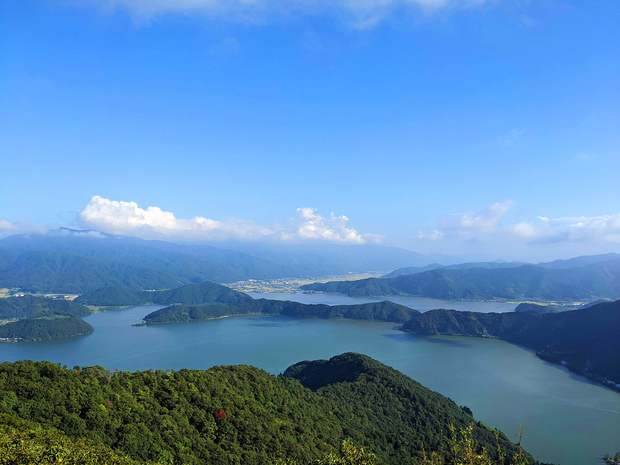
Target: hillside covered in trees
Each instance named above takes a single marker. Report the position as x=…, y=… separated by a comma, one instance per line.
x=205, y=301
x=76, y=262
x=585, y=341
x=377, y=311
x=237, y=414
x=31, y=307
x=30, y=318
x=44, y=329
x=526, y=282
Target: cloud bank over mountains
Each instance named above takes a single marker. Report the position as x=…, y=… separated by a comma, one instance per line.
x=490, y=230
x=10, y=228
x=129, y=219
x=487, y=225
x=359, y=14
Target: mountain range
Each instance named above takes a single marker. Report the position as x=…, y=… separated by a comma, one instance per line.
x=581, y=278
x=70, y=261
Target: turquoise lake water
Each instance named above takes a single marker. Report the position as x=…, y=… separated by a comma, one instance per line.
x=567, y=419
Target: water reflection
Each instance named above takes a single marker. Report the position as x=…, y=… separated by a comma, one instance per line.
x=409, y=338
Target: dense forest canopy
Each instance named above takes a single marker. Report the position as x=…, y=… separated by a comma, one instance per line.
x=30, y=318
x=377, y=311
x=30, y=306
x=239, y=414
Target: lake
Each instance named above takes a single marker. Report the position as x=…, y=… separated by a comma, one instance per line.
x=567, y=419
x=422, y=304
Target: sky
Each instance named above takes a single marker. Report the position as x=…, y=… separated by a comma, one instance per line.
x=485, y=128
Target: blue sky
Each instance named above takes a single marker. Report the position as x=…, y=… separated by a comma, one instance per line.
x=472, y=127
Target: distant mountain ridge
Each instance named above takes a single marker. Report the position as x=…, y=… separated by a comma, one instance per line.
x=79, y=262
x=596, y=278
x=460, y=266
x=76, y=262
x=554, y=265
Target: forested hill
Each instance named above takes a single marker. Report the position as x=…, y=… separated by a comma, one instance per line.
x=30, y=307
x=538, y=308
x=598, y=280
x=111, y=296
x=77, y=262
x=235, y=414
x=81, y=261
x=377, y=311
x=44, y=329
x=195, y=294
x=30, y=318
x=190, y=294
x=586, y=340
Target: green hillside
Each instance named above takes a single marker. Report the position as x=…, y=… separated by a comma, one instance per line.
x=51, y=271
x=30, y=306
x=77, y=262
x=239, y=414
x=527, y=282
x=82, y=261
x=195, y=294
x=45, y=329
x=377, y=311
x=30, y=318
x=112, y=296
x=26, y=442
x=583, y=340
x=537, y=308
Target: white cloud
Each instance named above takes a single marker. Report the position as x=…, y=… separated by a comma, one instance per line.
x=8, y=228
x=485, y=220
x=74, y=233
x=524, y=230
x=310, y=225
x=434, y=236
x=594, y=229
x=486, y=226
x=359, y=13
x=472, y=224
x=127, y=218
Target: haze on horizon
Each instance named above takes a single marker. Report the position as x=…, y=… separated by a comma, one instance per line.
x=481, y=129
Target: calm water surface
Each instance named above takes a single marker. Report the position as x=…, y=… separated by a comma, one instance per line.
x=419, y=303
x=567, y=419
